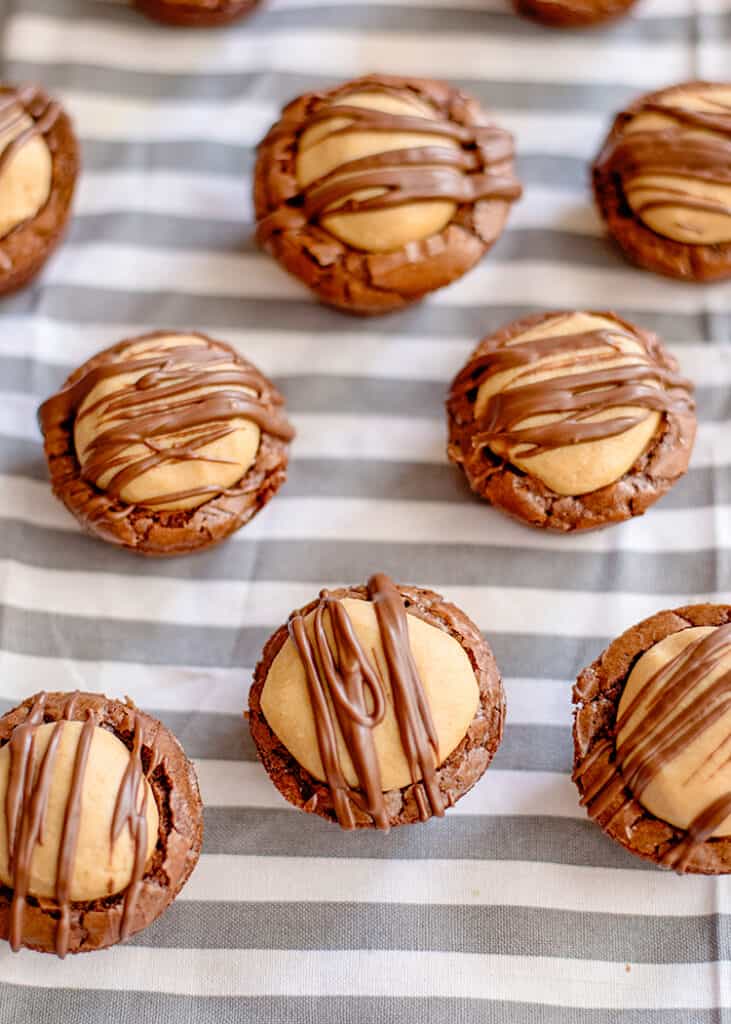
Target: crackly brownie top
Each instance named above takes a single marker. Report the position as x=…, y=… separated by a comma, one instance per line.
x=380, y=165
x=168, y=420
x=672, y=737
x=573, y=400
x=369, y=698
x=672, y=153
x=78, y=819
x=26, y=164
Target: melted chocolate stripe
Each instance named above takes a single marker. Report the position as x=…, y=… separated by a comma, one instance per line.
x=26, y=805
x=25, y=101
x=578, y=395
x=340, y=673
x=162, y=404
x=662, y=733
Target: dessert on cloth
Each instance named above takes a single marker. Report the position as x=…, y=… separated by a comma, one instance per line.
x=570, y=421
x=382, y=190
x=376, y=705
x=166, y=443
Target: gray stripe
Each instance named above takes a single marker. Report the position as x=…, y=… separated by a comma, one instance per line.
x=326, y=393
x=423, y=20
x=566, y=172
x=220, y=737
x=259, y=832
x=445, y=565
x=153, y=643
x=25, y=1005
x=157, y=230
x=74, y=304
x=478, y=930
x=401, y=481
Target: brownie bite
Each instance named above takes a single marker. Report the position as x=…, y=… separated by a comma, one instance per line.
x=573, y=13
x=39, y=163
x=652, y=739
x=571, y=421
x=383, y=189
x=376, y=705
x=100, y=822
x=662, y=181
x=166, y=443
x=196, y=13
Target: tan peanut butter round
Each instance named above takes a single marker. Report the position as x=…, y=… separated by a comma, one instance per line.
x=693, y=778
x=682, y=222
x=25, y=180
x=443, y=667
x=201, y=465
x=321, y=151
x=576, y=468
x=100, y=868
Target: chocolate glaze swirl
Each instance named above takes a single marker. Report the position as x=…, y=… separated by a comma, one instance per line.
x=661, y=734
x=574, y=397
x=677, y=150
x=478, y=170
x=343, y=681
x=13, y=106
x=161, y=404
x=26, y=804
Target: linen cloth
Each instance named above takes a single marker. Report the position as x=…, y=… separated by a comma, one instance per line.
x=514, y=908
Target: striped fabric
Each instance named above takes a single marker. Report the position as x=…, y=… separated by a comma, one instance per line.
x=514, y=909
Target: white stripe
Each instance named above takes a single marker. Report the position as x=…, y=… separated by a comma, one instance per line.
x=410, y=439
x=381, y=973
x=228, y=199
x=499, y=793
x=42, y=39
x=417, y=522
x=221, y=878
x=292, y=353
x=242, y=275
x=233, y=603
x=194, y=689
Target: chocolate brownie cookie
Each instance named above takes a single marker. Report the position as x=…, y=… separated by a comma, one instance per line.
x=376, y=706
x=570, y=421
x=196, y=13
x=100, y=822
x=662, y=181
x=652, y=738
x=382, y=190
x=39, y=163
x=166, y=443
x=573, y=13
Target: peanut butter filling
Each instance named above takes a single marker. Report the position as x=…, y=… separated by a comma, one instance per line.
x=574, y=401
x=102, y=864
x=442, y=684
x=675, y=160
x=25, y=176
x=674, y=728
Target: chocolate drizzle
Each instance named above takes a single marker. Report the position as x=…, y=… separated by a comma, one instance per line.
x=678, y=151
x=480, y=169
x=161, y=411
x=26, y=805
x=656, y=731
x=574, y=397
x=28, y=101
x=341, y=678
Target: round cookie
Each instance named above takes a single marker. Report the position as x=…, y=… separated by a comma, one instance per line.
x=382, y=190
x=39, y=164
x=570, y=421
x=662, y=181
x=100, y=822
x=196, y=13
x=166, y=443
x=376, y=706
x=652, y=738
x=573, y=13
